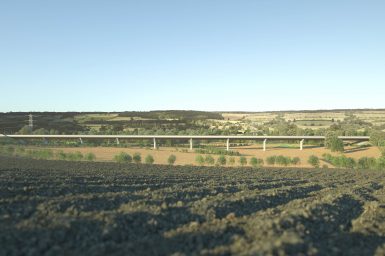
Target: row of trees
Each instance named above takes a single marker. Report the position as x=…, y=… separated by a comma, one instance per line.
x=124, y=157
x=222, y=160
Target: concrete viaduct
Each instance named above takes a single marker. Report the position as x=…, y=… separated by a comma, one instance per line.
x=190, y=138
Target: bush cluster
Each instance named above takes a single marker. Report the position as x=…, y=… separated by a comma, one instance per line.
x=282, y=160
x=256, y=162
x=217, y=151
x=340, y=161
x=46, y=154
x=243, y=161
x=171, y=159
x=71, y=156
x=137, y=158
x=199, y=159
x=209, y=160
x=314, y=161
x=123, y=157
x=221, y=160
x=350, y=163
x=149, y=159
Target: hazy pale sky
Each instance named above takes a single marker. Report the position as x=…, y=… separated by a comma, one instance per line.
x=255, y=55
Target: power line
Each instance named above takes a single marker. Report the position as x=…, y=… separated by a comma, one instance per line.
x=30, y=121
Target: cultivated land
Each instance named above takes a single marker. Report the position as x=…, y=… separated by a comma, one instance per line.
x=66, y=208
x=188, y=157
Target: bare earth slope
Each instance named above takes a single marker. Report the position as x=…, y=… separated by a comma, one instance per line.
x=64, y=208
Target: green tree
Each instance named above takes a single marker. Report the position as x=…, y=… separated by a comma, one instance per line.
x=314, y=161
x=366, y=163
x=243, y=161
x=381, y=163
x=282, y=160
x=149, y=159
x=90, y=156
x=295, y=160
x=77, y=156
x=209, y=160
x=350, y=163
x=123, y=157
x=25, y=130
x=171, y=159
x=41, y=131
x=137, y=158
x=256, y=162
x=61, y=155
x=377, y=138
x=271, y=160
x=221, y=160
x=231, y=160
x=199, y=159
x=334, y=143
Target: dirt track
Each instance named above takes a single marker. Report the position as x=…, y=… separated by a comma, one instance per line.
x=64, y=208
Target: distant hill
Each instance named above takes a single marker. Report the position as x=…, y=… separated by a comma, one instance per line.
x=73, y=122
x=190, y=121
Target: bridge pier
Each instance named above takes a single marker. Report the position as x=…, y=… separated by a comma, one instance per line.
x=301, y=144
x=227, y=144
x=117, y=141
x=264, y=144
x=191, y=144
x=154, y=143
x=81, y=141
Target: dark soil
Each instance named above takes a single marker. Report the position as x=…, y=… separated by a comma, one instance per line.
x=78, y=208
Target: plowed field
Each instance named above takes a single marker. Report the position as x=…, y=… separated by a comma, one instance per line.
x=77, y=208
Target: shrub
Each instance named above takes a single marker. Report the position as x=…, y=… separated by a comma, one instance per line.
x=209, y=160
x=349, y=163
x=295, y=161
x=90, y=156
x=171, y=159
x=271, y=160
x=45, y=154
x=20, y=150
x=221, y=160
x=243, y=160
x=137, y=158
x=341, y=161
x=377, y=138
x=231, y=160
x=199, y=159
x=327, y=157
x=325, y=166
x=382, y=149
x=367, y=163
x=40, y=154
x=77, y=156
x=149, y=159
x=61, y=155
x=256, y=162
x=10, y=150
x=282, y=160
x=123, y=157
x=381, y=163
x=313, y=161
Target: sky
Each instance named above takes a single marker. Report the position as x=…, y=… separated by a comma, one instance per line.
x=213, y=55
